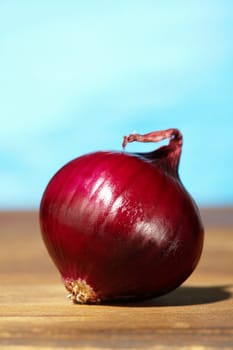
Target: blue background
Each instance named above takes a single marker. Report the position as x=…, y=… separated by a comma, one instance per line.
x=75, y=76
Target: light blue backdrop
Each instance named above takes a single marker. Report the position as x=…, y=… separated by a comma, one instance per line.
x=75, y=76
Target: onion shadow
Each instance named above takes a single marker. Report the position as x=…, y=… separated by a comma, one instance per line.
x=182, y=296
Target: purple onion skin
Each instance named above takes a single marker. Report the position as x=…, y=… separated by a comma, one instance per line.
x=121, y=226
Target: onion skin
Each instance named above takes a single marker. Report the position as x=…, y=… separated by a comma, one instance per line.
x=121, y=226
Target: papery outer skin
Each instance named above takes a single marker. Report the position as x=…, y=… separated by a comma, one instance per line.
x=121, y=224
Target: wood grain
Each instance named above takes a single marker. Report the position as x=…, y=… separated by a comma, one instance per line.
x=34, y=311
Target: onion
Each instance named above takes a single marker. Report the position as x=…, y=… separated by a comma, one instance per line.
x=121, y=226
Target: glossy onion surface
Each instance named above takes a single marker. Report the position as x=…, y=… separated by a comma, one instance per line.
x=120, y=225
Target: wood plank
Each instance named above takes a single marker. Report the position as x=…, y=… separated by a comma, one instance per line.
x=34, y=311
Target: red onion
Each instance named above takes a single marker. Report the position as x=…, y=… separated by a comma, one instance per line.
x=121, y=226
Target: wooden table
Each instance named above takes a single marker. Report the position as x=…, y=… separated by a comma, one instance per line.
x=34, y=311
